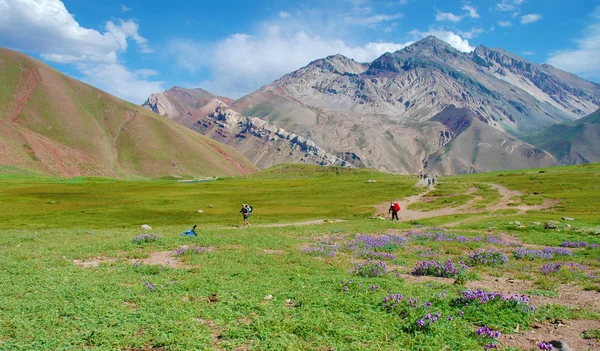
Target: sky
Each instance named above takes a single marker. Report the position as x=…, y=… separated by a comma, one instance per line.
x=133, y=48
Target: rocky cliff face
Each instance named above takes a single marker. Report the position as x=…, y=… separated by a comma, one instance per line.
x=263, y=143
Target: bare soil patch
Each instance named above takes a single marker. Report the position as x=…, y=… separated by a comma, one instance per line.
x=94, y=262
x=274, y=252
x=503, y=204
x=567, y=331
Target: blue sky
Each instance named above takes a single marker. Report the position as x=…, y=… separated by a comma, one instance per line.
x=132, y=48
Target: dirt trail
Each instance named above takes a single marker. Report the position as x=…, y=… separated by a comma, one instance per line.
x=503, y=204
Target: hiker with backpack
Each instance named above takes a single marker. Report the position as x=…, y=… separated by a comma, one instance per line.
x=394, y=208
x=246, y=211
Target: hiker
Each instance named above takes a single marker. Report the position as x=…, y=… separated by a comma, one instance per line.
x=394, y=208
x=433, y=181
x=246, y=210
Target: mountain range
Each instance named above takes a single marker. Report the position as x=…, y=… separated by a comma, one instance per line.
x=427, y=107
x=57, y=125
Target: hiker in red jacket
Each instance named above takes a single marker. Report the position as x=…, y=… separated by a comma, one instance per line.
x=394, y=208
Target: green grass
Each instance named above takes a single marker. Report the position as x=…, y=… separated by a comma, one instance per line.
x=216, y=299
x=277, y=195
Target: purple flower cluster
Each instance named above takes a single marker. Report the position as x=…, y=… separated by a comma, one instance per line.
x=428, y=320
x=389, y=242
x=393, y=300
x=441, y=235
x=370, y=269
x=481, y=296
x=547, y=253
x=437, y=269
x=377, y=255
x=576, y=244
x=150, y=286
x=545, y=346
x=324, y=248
x=196, y=250
x=489, y=346
x=487, y=257
x=549, y=268
x=145, y=238
x=485, y=331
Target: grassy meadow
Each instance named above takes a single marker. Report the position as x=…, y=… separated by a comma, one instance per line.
x=78, y=273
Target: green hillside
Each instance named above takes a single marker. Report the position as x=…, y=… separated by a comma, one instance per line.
x=574, y=142
x=58, y=125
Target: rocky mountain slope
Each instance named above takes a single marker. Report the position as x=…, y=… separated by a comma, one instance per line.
x=58, y=125
x=260, y=141
x=383, y=111
x=572, y=143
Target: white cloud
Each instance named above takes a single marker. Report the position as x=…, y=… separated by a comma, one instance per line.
x=284, y=14
x=504, y=23
x=371, y=21
x=451, y=38
x=471, y=10
x=124, y=8
x=472, y=33
x=585, y=58
x=447, y=16
x=47, y=28
x=528, y=53
x=530, y=18
x=509, y=5
x=118, y=80
x=243, y=63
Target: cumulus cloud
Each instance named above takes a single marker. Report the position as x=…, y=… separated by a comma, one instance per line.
x=124, y=8
x=530, y=18
x=472, y=12
x=243, y=63
x=455, y=40
x=509, y=5
x=584, y=59
x=118, y=80
x=504, y=23
x=371, y=21
x=447, y=16
x=46, y=27
x=471, y=33
x=284, y=14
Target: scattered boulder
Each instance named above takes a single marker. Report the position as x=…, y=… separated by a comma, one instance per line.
x=371, y=181
x=210, y=206
x=560, y=345
x=537, y=223
x=269, y=297
x=145, y=227
x=517, y=223
x=567, y=219
x=568, y=226
x=551, y=225
x=200, y=211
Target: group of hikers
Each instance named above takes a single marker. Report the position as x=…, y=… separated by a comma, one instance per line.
x=430, y=180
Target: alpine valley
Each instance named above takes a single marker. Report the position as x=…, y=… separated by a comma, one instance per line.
x=425, y=108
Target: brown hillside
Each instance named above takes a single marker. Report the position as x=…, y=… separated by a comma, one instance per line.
x=61, y=126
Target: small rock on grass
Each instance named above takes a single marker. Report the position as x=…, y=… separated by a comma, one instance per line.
x=200, y=211
x=145, y=227
x=550, y=225
x=269, y=297
x=560, y=345
x=567, y=219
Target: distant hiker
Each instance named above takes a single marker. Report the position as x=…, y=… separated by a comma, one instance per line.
x=428, y=181
x=433, y=181
x=246, y=211
x=394, y=208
